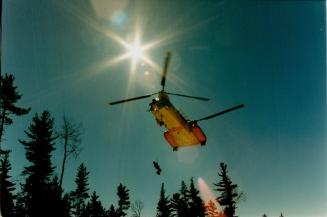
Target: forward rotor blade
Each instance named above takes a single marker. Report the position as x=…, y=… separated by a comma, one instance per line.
x=165, y=69
x=222, y=112
x=131, y=99
x=194, y=97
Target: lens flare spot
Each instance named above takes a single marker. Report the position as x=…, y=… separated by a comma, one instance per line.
x=187, y=155
x=119, y=18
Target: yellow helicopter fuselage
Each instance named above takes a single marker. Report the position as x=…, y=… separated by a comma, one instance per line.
x=180, y=132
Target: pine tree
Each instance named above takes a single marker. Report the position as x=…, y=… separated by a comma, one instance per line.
x=38, y=153
x=20, y=205
x=179, y=202
x=9, y=96
x=176, y=205
x=228, y=192
x=184, y=200
x=94, y=208
x=66, y=205
x=58, y=203
x=163, y=207
x=112, y=212
x=80, y=194
x=7, y=196
x=123, y=202
x=196, y=205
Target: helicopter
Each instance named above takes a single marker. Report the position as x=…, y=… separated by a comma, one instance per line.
x=181, y=132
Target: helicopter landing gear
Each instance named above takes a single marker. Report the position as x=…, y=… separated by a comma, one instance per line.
x=203, y=143
x=175, y=149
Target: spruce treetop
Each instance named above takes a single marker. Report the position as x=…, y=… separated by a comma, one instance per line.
x=9, y=96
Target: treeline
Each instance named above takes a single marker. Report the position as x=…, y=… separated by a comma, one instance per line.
x=264, y=215
x=41, y=194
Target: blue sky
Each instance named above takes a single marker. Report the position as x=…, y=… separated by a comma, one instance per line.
x=269, y=55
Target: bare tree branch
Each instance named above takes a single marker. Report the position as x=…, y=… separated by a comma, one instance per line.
x=137, y=207
x=70, y=136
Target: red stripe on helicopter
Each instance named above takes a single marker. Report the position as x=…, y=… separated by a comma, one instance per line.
x=170, y=139
x=199, y=134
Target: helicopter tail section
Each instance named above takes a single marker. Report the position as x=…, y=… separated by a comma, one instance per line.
x=183, y=137
x=199, y=135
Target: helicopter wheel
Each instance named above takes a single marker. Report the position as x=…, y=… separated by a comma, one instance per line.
x=175, y=149
x=203, y=143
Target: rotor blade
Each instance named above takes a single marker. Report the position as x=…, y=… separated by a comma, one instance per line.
x=194, y=97
x=165, y=69
x=131, y=99
x=222, y=112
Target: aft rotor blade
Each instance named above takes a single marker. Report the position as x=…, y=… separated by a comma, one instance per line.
x=131, y=99
x=165, y=69
x=194, y=97
x=222, y=112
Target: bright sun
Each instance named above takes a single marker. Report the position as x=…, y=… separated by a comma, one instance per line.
x=135, y=50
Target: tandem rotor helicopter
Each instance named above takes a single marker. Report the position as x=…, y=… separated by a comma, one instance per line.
x=181, y=132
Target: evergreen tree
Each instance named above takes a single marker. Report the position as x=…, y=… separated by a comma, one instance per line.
x=80, y=194
x=20, y=207
x=112, y=212
x=123, y=202
x=184, y=200
x=228, y=192
x=163, y=207
x=176, y=205
x=196, y=205
x=94, y=208
x=58, y=204
x=179, y=202
x=66, y=202
x=38, y=153
x=184, y=191
x=7, y=196
x=9, y=96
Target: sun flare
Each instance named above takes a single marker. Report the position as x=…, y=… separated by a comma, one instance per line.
x=135, y=50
